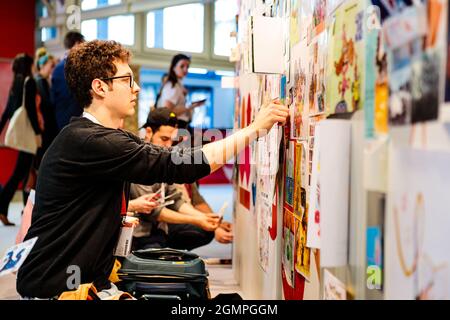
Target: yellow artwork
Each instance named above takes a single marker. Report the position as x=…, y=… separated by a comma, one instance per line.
x=303, y=253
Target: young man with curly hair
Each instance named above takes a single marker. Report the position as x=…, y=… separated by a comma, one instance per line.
x=84, y=178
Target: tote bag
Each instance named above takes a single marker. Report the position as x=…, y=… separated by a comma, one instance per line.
x=20, y=134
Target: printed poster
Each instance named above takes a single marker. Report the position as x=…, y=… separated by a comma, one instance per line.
x=417, y=259
x=267, y=169
x=299, y=203
x=317, y=72
x=319, y=15
x=374, y=247
x=299, y=108
x=263, y=239
x=334, y=289
x=346, y=58
x=313, y=234
x=313, y=121
x=289, y=177
x=377, y=85
x=302, y=252
x=294, y=22
x=288, y=247
x=413, y=72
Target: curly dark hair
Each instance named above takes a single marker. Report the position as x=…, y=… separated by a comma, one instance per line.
x=92, y=60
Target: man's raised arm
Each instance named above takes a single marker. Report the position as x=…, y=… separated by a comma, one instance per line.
x=219, y=152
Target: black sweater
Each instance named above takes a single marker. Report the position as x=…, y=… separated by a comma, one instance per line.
x=78, y=201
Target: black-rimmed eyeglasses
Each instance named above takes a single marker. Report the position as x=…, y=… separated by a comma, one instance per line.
x=120, y=77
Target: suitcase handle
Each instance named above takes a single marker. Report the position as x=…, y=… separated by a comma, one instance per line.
x=159, y=297
x=165, y=254
x=133, y=275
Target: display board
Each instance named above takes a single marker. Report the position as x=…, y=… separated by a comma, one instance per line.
x=359, y=76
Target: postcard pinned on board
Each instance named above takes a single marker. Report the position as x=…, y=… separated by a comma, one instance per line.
x=334, y=289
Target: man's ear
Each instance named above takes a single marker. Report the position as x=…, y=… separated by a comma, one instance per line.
x=98, y=87
x=148, y=134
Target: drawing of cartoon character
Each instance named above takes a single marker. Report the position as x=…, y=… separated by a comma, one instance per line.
x=346, y=60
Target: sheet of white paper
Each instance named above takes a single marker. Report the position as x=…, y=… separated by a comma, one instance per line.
x=268, y=45
x=334, y=152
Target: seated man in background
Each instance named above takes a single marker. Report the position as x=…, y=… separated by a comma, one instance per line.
x=179, y=225
x=190, y=193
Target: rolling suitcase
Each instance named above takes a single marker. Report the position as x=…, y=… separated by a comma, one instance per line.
x=164, y=274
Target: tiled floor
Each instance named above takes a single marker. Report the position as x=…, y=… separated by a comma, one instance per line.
x=221, y=276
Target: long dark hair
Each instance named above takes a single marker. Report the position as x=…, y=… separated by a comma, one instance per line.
x=164, y=78
x=172, y=76
x=22, y=68
x=22, y=65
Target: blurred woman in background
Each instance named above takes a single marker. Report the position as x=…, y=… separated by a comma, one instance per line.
x=45, y=63
x=173, y=93
x=22, y=70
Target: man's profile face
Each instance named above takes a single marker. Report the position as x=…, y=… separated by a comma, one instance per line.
x=164, y=136
x=120, y=98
